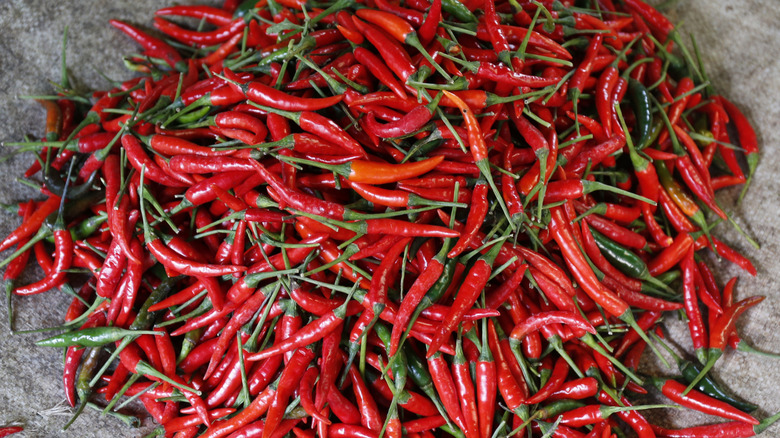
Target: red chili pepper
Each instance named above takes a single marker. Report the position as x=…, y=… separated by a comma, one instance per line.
x=516, y=34
x=513, y=393
x=556, y=379
x=634, y=419
x=469, y=291
x=10, y=430
x=175, y=262
x=63, y=257
x=306, y=335
x=671, y=255
x=464, y=385
x=215, y=16
x=485, y=375
x=31, y=226
x=288, y=381
x=255, y=410
x=584, y=69
x=577, y=389
x=674, y=390
x=154, y=47
x=427, y=31
x=582, y=272
x=745, y=133
x=264, y=95
x=395, y=55
x=594, y=155
x=445, y=387
x=219, y=35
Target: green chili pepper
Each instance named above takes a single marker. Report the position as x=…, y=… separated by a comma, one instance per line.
x=194, y=116
x=398, y=363
x=56, y=184
x=244, y=7
x=92, y=337
x=709, y=386
x=418, y=372
x=189, y=342
x=145, y=319
x=458, y=10
x=643, y=113
x=558, y=407
x=626, y=261
x=83, y=388
x=669, y=277
x=85, y=228
x=690, y=372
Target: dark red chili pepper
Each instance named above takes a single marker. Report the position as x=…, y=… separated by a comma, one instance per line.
x=674, y=390
x=655, y=19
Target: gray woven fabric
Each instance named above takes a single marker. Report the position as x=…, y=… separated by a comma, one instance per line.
x=740, y=50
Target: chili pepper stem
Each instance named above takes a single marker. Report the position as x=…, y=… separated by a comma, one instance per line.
x=766, y=423
x=591, y=342
x=414, y=41
x=747, y=348
x=713, y=355
x=484, y=168
x=121, y=392
x=752, y=162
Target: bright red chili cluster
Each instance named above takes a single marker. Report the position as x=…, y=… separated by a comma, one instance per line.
x=364, y=219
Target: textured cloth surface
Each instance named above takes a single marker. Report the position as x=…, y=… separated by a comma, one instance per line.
x=739, y=41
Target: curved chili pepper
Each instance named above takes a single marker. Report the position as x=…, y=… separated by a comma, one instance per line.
x=154, y=47
x=216, y=16
x=31, y=226
x=219, y=35
x=264, y=95
x=63, y=257
x=673, y=390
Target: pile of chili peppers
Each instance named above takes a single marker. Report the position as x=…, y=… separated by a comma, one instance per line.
x=366, y=218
